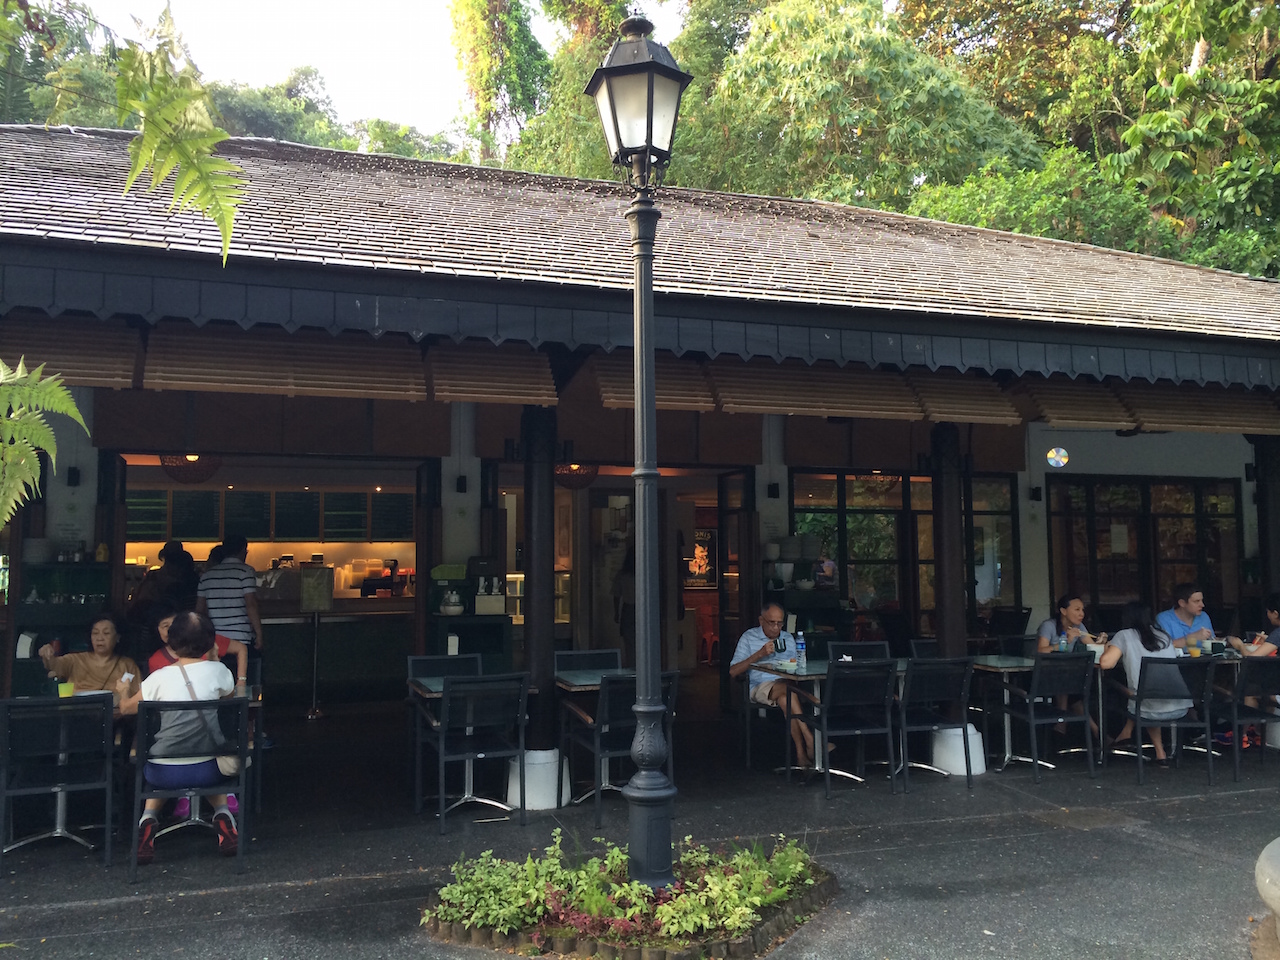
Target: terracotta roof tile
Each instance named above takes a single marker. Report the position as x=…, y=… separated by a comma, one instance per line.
x=321, y=206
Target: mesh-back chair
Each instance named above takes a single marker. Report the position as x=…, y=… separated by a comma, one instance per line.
x=1177, y=678
x=921, y=648
x=670, y=692
x=933, y=693
x=1258, y=680
x=459, y=665
x=1054, y=676
x=211, y=728
x=897, y=629
x=55, y=747
x=1008, y=621
x=480, y=718
x=30, y=678
x=588, y=660
x=859, y=650
x=606, y=733
x=857, y=701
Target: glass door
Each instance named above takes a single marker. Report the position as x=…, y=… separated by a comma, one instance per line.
x=739, y=565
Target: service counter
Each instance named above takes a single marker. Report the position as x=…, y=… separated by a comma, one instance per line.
x=363, y=643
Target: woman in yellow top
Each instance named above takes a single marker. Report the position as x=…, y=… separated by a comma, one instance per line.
x=98, y=669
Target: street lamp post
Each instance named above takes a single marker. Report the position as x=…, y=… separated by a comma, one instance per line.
x=637, y=90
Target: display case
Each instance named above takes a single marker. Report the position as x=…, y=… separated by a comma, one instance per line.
x=563, y=596
x=59, y=601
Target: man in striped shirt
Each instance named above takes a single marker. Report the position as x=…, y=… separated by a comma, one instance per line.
x=228, y=595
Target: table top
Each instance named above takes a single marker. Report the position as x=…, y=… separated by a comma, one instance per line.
x=432, y=688
x=585, y=681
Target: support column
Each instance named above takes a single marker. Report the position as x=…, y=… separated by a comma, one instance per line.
x=948, y=540
x=1266, y=459
x=538, y=435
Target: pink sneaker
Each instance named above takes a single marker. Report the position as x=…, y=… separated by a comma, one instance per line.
x=232, y=803
x=182, y=808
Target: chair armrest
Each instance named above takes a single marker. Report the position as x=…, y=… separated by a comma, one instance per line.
x=576, y=711
x=1012, y=688
x=805, y=695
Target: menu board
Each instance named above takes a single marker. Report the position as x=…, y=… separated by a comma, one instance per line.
x=147, y=514
x=297, y=515
x=346, y=516
x=391, y=516
x=248, y=513
x=196, y=515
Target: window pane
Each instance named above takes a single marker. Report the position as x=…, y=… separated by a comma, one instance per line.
x=814, y=490
x=1116, y=537
x=874, y=490
x=925, y=572
x=1066, y=497
x=1168, y=576
x=873, y=585
x=1219, y=497
x=1119, y=583
x=821, y=524
x=921, y=493
x=1172, y=498
x=1117, y=498
x=924, y=536
x=1222, y=562
x=1175, y=539
x=872, y=536
x=994, y=571
x=992, y=495
x=1070, y=555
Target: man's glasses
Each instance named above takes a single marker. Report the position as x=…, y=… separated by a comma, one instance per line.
x=771, y=623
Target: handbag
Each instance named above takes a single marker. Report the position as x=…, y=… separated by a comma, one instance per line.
x=228, y=764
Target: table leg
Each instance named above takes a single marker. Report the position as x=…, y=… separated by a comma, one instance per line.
x=1009, y=755
x=59, y=830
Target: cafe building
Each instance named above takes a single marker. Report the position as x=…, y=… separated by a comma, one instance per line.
x=417, y=377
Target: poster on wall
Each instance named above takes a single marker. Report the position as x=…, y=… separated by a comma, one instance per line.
x=700, y=568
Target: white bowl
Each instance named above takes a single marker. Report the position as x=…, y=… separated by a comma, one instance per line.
x=452, y=609
x=804, y=584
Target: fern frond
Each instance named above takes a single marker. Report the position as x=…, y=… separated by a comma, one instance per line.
x=25, y=397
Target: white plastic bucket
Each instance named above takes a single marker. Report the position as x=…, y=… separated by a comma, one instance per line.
x=539, y=780
x=948, y=751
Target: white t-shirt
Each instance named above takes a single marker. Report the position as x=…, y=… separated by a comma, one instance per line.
x=210, y=680
x=1130, y=645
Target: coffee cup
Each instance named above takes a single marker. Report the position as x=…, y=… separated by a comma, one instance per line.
x=66, y=689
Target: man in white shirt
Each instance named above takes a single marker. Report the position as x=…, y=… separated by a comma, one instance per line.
x=768, y=642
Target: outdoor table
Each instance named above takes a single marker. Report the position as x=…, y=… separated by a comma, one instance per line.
x=1006, y=666
x=588, y=681
x=60, y=830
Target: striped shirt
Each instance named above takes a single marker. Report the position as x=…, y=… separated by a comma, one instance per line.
x=223, y=588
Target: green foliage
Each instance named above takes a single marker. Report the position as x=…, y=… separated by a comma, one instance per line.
x=401, y=140
x=588, y=19
x=827, y=99
x=298, y=111
x=504, y=64
x=714, y=893
x=162, y=88
x=25, y=397
x=62, y=71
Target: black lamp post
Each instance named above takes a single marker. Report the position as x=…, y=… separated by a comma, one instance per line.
x=637, y=90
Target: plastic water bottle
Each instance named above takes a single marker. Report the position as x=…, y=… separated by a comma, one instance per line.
x=1063, y=645
x=801, y=657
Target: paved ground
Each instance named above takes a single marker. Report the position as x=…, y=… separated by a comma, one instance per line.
x=340, y=867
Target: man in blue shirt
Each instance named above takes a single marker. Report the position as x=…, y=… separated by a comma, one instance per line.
x=771, y=644
x=1186, y=619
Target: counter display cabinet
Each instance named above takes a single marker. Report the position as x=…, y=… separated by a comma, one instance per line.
x=59, y=601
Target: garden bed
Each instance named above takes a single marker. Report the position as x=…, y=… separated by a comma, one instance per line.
x=723, y=904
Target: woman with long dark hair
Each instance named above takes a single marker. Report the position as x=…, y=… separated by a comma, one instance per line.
x=1069, y=622
x=1140, y=638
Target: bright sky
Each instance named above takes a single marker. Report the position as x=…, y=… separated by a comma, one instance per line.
x=391, y=59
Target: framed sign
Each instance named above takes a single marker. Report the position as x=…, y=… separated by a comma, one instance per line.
x=700, y=568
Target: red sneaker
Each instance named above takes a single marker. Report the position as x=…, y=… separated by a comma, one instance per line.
x=228, y=837
x=147, y=839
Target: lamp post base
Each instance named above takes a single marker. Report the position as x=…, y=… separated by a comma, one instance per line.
x=651, y=798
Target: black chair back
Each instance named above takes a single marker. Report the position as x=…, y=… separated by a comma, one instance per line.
x=1161, y=678
x=1062, y=674
x=617, y=697
x=897, y=629
x=924, y=648
x=460, y=665
x=937, y=681
x=31, y=679
x=186, y=729
x=1009, y=621
x=859, y=650
x=1259, y=677
x=472, y=704
x=859, y=683
x=588, y=660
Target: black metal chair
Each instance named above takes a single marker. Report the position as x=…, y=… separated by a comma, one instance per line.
x=670, y=693
x=1054, y=675
x=933, y=694
x=1258, y=679
x=607, y=733
x=31, y=679
x=1008, y=621
x=858, y=650
x=588, y=660
x=922, y=648
x=50, y=746
x=480, y=718
x=1174, y=678
x=221, y=728
x=421, y=667
x=857, y=701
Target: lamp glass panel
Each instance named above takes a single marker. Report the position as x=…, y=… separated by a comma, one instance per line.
x=666, y=103
x=606, y=117
x=631, y=102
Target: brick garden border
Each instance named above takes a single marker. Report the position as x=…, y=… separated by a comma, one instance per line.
x=775, y=920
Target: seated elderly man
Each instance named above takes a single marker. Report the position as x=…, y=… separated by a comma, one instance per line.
x=770, y=643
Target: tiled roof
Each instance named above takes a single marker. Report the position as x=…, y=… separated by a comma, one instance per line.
x=311, y=206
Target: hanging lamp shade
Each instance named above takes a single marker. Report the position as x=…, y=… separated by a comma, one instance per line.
x=190, y=467
x=576, y=476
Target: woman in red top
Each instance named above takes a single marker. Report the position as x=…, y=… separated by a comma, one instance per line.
x=223, y=647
